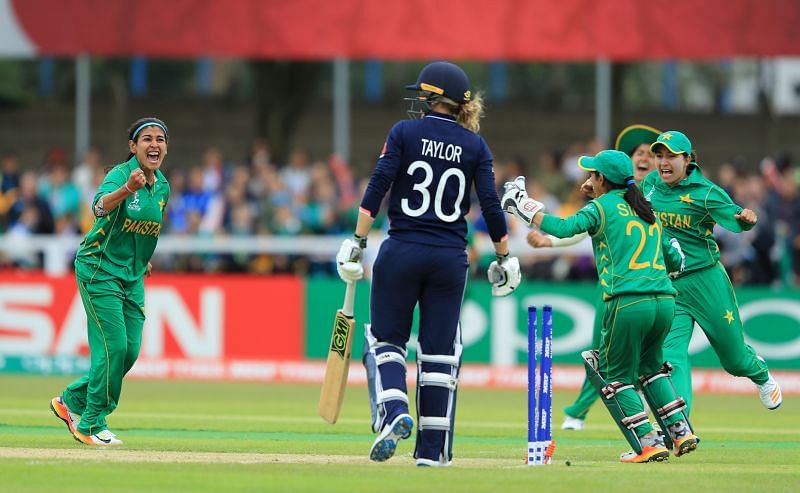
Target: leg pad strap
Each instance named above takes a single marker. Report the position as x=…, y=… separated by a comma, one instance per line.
x=671, y=408
x=664, y=371
x=632, y=422
x=438, y=380
x=392, y=395
x=390, y=357
x=434, y=423
x=611, y=390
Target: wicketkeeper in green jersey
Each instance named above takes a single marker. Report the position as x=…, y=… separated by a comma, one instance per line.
x=110, y=267
x=632, y=258
x=689, y=205
x=634, y=141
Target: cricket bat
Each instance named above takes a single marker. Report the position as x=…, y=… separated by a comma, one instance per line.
x=338, y=364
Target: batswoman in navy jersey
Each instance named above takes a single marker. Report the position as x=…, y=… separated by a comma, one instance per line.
x=430, y=165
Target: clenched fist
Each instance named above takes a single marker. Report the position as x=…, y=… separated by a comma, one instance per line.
x=136, y=180
x=538, y=240
x=747, y=216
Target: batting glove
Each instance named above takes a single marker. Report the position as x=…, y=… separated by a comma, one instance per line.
x=504, y=274
x=348, y=261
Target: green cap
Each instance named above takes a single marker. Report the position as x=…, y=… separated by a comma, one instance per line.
x=616, y=166
x=632, y=137
x=675, y=141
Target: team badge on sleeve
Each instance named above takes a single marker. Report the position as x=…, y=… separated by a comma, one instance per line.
x=383, y=151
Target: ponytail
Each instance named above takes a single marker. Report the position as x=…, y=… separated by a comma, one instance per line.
x=633, y=196
x=642, y=207
x=471, y=113
x=468, y=115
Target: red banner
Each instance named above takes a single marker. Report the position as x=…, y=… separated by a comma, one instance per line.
x=408, y=29
x=203, y=318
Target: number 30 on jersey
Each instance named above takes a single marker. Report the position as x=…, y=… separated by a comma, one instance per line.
x=424, y=188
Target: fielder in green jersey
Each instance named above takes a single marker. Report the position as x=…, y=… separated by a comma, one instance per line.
x=634, y=141
x=633, y=259
x=110, y=267
x=689, y=205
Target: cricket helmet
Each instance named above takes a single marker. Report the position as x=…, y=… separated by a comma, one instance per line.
x=443, y=79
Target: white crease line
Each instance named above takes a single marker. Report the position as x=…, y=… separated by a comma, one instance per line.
x=353, y=421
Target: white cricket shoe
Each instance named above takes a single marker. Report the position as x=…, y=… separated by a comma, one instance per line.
x=770, y=393
x=571, y=423
x=104, y=438
x=384, y=446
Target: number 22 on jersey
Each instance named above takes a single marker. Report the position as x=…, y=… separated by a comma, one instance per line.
x=653, y=231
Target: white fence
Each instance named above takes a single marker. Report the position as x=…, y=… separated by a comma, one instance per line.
x=59, y=251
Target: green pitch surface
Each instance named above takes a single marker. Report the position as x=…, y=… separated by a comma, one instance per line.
x=202, y=436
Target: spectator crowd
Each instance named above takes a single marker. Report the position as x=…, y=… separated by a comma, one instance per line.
x=221, y=196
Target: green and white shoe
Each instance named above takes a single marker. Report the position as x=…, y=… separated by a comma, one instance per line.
x=770, y=394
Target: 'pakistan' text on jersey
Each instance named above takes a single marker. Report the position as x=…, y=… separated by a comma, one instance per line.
x=121, y=243
x=628, y=252
x=689, y=210
x=430, y=165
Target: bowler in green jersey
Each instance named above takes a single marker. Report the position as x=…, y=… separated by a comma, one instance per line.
x=689, y=205
x=110, y=267
x=633, y=259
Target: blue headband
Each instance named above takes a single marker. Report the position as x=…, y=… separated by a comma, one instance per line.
x=630, y=181
x=149, y=124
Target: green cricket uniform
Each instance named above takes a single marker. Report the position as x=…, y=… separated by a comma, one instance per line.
x=689, y=210
x=110, y=266
x=586, y=397
x=628, y=140
x=639, y=297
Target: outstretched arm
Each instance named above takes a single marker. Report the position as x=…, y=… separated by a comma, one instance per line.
x=587, y=220
x=538, y=240
x=515, y=201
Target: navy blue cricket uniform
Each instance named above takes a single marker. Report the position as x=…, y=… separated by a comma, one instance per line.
x=429, y=166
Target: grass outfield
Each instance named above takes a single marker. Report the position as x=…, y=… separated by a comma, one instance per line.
x=203, y=436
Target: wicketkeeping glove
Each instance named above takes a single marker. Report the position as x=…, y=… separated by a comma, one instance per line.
x=348, y=260
x=504, y=274
x=516, y=201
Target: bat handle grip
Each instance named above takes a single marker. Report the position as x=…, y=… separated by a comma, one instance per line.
x=349, y=299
